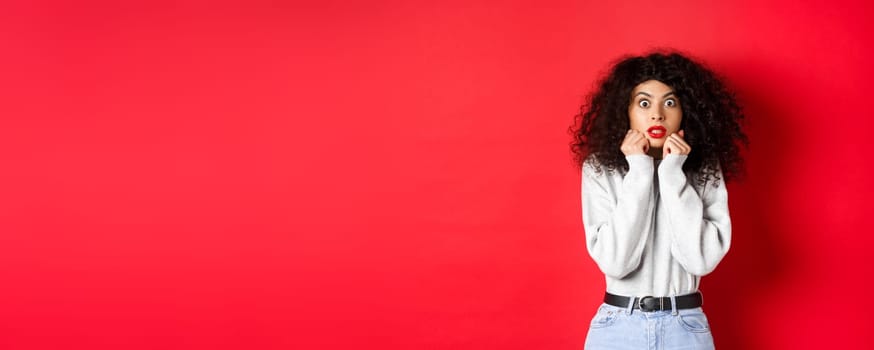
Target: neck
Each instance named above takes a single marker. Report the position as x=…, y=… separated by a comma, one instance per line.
x=656, y=153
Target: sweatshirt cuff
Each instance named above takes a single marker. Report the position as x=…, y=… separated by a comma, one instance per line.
x=639, y=161
x=671, y=171
x=673, y=161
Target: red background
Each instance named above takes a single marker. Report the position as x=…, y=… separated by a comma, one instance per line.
x=391, y=175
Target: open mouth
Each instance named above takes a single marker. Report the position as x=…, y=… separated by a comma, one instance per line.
x=656, y=132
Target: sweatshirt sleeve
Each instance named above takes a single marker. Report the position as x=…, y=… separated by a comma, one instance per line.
x=700, y=225
x=617, y=224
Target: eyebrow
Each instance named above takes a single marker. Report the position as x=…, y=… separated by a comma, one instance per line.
x=648, y=95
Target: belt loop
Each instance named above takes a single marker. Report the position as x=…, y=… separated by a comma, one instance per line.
x=674, y=311
x=630, y=305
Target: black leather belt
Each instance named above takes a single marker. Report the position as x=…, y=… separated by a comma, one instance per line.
x=648, y=303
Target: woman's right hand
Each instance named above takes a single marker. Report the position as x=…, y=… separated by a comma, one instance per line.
x=634, y=143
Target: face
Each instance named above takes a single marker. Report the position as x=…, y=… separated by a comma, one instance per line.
x=655, y=111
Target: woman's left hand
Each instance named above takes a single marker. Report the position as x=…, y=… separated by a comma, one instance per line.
x=676, y=145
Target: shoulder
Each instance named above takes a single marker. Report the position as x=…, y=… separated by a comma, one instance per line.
x=590, y=162
x=596, y=171
x=705, y=182
x=593, y=167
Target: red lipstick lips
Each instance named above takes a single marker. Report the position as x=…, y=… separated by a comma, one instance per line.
x=656, y=132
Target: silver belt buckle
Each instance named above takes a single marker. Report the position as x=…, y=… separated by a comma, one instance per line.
x=641, y=304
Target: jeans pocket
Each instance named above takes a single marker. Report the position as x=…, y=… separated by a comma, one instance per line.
x=694, y=321
x=605, y=317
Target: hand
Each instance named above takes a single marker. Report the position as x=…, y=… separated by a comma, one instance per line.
x=634, y=143
x=675, y=144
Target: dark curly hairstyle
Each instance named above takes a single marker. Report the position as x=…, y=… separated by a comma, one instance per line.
x=711, y=116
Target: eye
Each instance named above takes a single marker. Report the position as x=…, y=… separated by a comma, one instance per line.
x=643, y=103
x=670, y=103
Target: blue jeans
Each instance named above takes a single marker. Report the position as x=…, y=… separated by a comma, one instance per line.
x=624, y=328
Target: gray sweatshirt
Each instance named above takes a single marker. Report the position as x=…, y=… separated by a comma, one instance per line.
x=651, y=230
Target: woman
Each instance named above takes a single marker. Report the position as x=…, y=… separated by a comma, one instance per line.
x=656, y=143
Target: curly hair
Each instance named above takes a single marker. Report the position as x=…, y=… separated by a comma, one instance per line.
x=711, y=116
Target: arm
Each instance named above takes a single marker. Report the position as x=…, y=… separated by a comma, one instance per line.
x=700, y=227
x=617, y=227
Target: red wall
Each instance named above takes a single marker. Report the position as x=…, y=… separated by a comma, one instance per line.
x=390, y=175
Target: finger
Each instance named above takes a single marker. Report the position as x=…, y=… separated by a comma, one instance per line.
x=641, y=141
x=634, y=142
x=640, y=135
x=680, y=144
x=682, y=134
x=627, y=141
x=685, y=149
x=672, y=140
x=670, y=146
x=636, y=137
x=679, y=139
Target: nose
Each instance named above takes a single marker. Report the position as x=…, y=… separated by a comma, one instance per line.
x=657, y=115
